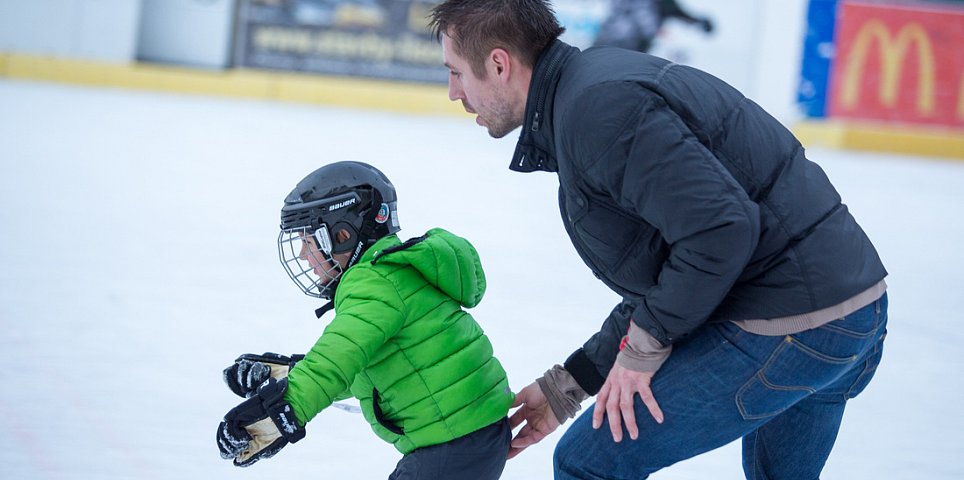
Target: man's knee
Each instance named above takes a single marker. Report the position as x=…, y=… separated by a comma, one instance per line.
x=560, y=456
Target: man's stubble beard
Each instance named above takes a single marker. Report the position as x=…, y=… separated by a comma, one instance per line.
x=503, y=119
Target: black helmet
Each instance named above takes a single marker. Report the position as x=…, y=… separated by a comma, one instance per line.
x=353, y=197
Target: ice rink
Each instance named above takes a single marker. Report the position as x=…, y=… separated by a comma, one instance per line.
x=138, y=259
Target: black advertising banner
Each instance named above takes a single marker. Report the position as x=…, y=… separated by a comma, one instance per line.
x=387, y=39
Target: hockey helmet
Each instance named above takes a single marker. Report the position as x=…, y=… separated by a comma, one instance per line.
x=341, y=207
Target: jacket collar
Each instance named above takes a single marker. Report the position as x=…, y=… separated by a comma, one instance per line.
x=535, y=149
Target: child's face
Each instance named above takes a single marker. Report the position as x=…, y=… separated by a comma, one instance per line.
x=318, y=261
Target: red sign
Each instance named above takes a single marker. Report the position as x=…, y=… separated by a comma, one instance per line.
x=899, y=63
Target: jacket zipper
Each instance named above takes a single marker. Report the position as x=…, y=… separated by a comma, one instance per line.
x=543, y=93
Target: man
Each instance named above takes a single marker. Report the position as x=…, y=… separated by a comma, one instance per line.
x=753, y=306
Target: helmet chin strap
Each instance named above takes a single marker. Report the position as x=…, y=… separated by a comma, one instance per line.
x=324, y=309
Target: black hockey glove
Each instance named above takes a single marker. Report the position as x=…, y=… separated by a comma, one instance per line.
x=260, y=426
x=250, y=370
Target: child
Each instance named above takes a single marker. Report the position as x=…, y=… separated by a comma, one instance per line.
x=420, y=366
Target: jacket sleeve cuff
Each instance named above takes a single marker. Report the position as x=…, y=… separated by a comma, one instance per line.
x=564, y=395
x=642, y=352
x=584, y=371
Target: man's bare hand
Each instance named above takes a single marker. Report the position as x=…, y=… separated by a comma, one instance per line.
x=615, y=399
x=539, y=419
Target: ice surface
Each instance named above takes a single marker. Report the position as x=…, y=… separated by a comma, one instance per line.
x=138, y=259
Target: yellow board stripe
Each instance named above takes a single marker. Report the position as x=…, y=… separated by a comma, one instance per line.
x=877, y=137
x=412, y=98
x=261, y=84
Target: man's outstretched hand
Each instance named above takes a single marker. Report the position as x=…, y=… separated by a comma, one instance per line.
x=539, y=419
x=616, y=399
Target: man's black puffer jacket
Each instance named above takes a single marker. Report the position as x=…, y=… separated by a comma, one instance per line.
x=685, y=198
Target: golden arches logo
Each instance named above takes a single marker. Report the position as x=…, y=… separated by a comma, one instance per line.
x=893, y=50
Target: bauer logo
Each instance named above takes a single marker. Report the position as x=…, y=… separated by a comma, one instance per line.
x=382, y=215
x=350, y=201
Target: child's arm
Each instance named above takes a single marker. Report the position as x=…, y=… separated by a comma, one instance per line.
x=369, y=313
x=276, y=413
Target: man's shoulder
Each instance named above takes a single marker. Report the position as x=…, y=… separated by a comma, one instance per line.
x=602, y=73
x=607, y=64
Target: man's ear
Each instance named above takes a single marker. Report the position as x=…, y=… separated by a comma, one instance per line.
x=501, y=61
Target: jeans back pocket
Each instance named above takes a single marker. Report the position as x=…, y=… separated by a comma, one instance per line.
x=792, y=372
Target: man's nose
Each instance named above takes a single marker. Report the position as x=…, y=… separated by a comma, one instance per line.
x=455, y=91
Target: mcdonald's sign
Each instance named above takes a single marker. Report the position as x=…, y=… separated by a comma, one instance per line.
x=899, y=63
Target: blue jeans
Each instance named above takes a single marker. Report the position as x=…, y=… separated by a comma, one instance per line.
x=785, y=396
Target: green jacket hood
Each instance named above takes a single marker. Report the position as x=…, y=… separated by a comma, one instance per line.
x=446, y=261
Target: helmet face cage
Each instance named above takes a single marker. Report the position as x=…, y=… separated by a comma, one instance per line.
x=306, y=257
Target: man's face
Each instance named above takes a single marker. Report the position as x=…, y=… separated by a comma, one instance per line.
x=488, y=98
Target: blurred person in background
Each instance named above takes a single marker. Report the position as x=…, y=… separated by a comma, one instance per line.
x=634, y=24
x=753, y=307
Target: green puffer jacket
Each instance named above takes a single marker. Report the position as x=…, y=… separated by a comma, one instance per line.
x=400, y=335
